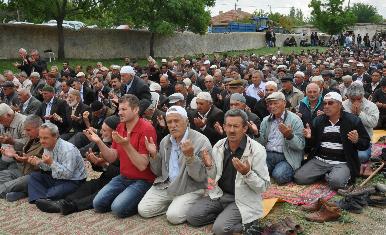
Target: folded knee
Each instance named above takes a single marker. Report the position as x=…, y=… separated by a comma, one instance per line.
x=174, y=217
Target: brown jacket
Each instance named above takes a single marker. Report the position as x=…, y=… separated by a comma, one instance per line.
x=32, y=148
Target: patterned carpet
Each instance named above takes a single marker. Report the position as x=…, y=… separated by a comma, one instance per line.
x=23, y=218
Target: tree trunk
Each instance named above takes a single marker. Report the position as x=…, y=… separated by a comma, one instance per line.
x=60, y=39
x=152, y=44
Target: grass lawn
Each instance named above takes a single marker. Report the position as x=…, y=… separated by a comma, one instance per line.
x=7, y=64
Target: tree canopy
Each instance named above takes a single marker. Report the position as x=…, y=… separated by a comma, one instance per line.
x=330, y=16
x=366, y=13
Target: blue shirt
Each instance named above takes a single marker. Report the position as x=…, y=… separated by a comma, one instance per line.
x=174, y=168
x=67, y=162
x=275, y=137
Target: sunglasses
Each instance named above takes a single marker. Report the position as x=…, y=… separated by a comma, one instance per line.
x=325, y=103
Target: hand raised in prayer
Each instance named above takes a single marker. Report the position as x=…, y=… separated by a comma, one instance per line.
x=161, y=121
x=151, y=147
x=8, y=151
x=261, y=93
x=90, y=134
x=86, y=114
x=307, y=131
x=33, y=160
x=241, y=167
x=187, y=148
x=356, y=108
x=47, y=159
x=218, y=128
x=206, y=158
x=120, y=139
x=319, y=112
x=285, y=130
x=353, y=136
x=23, y=158
x=253, y=127
x=198, y=122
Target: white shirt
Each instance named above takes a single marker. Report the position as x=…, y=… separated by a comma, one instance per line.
x=253, y=90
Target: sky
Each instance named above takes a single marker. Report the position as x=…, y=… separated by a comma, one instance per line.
x=283, y=6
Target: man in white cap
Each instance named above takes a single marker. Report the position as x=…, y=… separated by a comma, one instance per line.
x=205, y=117
x=131, y=84
x=282, y=135
x=361, y=74
x=336, y=137
x=181, y=175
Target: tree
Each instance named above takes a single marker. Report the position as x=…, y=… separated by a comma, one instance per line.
x=329, y=16
x=165, y=17
x=59, y=10
x=366, y=13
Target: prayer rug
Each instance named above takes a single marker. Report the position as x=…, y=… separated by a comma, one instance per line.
x=299, y=194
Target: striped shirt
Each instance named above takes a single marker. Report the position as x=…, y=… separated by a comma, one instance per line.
x=67, y=162
x=331, y=147
x=275, y=137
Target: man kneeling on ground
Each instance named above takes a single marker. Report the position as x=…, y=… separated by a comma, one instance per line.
x=240, y=171
x=182, y=177
x=336, y=136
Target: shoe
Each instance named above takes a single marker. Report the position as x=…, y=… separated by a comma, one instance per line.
x=380, y=187
x=377, y=201
x=14, y=196
x=294, y=226
x=352, y=191
x=352, y=204
x=67, y=207
x=47, y=205
x=325, y=214
x=252, y=228
x=314, y=206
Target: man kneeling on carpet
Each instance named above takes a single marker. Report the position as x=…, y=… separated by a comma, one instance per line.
x=123, y=193
x=61, y=164
x=83, y=197
x=14, y=182
x=181, y=174
x=240, y=172
x=336, y=136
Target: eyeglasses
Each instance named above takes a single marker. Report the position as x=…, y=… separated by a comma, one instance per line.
x=325, y=103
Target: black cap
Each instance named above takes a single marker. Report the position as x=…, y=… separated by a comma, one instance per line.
x=288, y=78
x=112, y=121
x=96, y=105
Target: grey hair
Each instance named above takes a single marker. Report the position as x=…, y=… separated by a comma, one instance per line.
x=355, y=89
x=33, y=120
x=23, y=50
x=34, y=51
x=237, y=113
x=51, y=127
x=271, y=83
x=347, y=78
x=26, y=91
x=312, y=84
x=74, y=93
x=260, y=73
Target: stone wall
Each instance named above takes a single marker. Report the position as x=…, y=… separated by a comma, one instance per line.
x=109, y=43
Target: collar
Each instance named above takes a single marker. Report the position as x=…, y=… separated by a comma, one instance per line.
x=242, y=145
x=206, y=114
x=51, y=101
x=283, y=116
x=27, y=101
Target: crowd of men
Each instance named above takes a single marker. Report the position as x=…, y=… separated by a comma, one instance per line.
x=197, y=139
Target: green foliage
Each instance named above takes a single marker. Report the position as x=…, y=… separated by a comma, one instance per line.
x=295, y=18
x=165, y=17
x=329, y=16
x=366, y=13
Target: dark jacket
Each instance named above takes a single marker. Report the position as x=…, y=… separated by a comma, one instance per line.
x=61, y=108
x=214, y=115
x=307, y=114
x=366, y=78
x=349, y=122
x=261, y=109
x=88, y=95
x=39, y=66
x=35, y=89
x=80, y=109
x=138, y=88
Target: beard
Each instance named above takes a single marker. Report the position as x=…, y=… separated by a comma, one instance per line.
x=72, y=104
